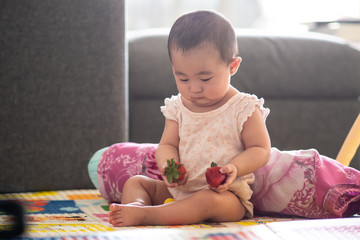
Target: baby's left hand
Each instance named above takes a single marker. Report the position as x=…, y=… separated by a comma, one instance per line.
x=231, y=171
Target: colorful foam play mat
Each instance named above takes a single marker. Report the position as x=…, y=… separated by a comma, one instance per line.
x=83, y=214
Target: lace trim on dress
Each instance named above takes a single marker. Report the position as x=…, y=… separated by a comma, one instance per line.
x=234, y=99
x=248, y=107
x=248, y=104
x=170, y=109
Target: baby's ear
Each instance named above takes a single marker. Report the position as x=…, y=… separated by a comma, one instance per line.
x=234, y=65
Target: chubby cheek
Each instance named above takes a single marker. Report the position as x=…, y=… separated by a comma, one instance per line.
x=222, y=87
x=216, y=92
x=182, y=89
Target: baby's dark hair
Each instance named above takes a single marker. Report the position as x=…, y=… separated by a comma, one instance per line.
x=195, y=28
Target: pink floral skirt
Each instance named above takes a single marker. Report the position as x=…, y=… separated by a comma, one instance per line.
x=306, y=184
x=121, y=161
x=294, y=183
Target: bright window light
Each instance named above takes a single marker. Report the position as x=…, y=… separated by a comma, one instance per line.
x=268, y=14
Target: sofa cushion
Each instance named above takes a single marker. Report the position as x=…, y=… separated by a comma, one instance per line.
x=305, y=66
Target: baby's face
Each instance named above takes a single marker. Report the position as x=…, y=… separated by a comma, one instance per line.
x=202, y=78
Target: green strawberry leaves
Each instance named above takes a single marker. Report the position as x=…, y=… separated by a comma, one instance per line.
x=174, y=171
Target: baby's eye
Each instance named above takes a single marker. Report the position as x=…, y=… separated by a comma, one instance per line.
x=206, y=79
x=183, y=80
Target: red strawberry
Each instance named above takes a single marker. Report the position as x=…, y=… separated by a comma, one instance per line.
x=174, y=171
x=214, y=177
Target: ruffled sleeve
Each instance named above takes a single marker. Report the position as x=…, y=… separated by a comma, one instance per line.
x=248, y=105
x=171, y=108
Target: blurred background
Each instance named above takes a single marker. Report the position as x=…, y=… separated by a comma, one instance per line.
x=335, y=17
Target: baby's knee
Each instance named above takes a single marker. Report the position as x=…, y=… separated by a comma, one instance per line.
x=139, y=181
x=209, y=197
x=136, y=180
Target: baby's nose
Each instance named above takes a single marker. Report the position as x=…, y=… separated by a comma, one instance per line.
x=195, y=88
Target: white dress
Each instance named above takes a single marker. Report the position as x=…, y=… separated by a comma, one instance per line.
x=213, y=136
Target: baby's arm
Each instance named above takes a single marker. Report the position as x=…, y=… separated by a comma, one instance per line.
x=257, y=145
x=168, y=149
x=257, y=150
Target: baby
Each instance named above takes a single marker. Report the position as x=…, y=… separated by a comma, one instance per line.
x=208, y=121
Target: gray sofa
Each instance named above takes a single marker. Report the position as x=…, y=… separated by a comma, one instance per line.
x=310, y=82
x=70, y=85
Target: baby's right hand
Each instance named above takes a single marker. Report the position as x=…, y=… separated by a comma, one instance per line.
x=174, y=184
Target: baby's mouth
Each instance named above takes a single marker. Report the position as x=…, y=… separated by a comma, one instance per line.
x=196, y=97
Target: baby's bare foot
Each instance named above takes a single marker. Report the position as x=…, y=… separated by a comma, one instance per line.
x=122, y=215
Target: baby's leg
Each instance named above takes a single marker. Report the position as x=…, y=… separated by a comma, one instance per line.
x=205, y=205
x=144, y=191
x=140, y=191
